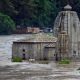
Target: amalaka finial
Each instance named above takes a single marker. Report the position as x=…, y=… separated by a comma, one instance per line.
x=68, y=7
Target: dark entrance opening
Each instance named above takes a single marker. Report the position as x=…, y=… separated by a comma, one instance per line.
x=23, y=50
x=56, y=57
x=24, y=57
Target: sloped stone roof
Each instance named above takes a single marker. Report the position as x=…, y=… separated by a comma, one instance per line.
x=40, y=37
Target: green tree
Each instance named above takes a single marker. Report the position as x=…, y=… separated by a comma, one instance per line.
x=54, y=12
x=44, y=10
x=7, y=25
x=40, y=13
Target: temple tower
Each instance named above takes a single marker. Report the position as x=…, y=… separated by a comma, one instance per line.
x=62, y=45
x=68, y=21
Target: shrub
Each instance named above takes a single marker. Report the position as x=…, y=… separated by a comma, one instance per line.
x=17, y=59
x=64, y=61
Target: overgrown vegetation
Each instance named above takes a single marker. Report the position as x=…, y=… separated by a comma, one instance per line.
x=64, y=61
x=7, y=25
x=17, y=59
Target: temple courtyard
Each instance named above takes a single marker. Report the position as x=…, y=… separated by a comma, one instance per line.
x=32, y=71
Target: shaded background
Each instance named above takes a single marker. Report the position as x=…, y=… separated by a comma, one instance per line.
x=38, y=13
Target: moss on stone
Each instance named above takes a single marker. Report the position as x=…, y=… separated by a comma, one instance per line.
x=17, y=59
x=64, y=61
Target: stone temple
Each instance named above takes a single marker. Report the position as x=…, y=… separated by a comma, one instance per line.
x=67, y=21
x=65, y=44
x=40, y=46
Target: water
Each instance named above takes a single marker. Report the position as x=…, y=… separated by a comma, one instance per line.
x=32, y=71
x=6, y=45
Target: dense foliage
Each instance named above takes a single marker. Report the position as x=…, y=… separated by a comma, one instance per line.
x=7, y=25
x=39, y=13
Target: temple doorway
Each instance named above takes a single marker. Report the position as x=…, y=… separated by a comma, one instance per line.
x=24, y=56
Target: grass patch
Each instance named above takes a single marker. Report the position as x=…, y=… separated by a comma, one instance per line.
x=64, y=61
x=17, y=59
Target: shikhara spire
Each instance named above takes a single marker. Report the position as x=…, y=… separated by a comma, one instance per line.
x=68, y=21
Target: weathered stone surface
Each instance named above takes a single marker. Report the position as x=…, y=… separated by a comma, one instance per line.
x=38, y=48
x=68, y=21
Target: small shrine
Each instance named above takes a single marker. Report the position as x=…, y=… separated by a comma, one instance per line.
x=40, y=47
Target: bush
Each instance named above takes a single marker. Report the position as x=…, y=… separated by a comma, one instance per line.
x=64, y=61
x=7, y=25
x=17, y=59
